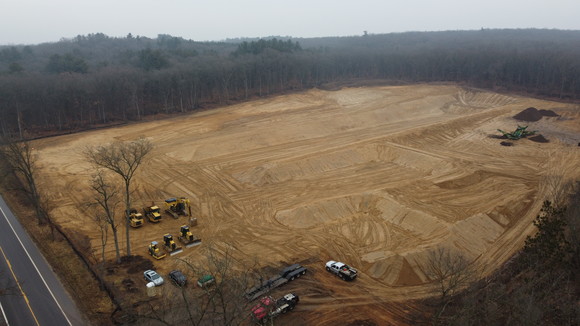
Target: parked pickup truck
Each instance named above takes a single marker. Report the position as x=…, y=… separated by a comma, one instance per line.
x=268, y=308
x=341, y=270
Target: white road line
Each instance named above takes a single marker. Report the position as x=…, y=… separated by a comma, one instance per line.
x=4, y=314
x=32, y=261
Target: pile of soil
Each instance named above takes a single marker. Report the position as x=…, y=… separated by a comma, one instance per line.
x=539, y=139
x=136, y=264
x=506, y=143
x=532, y=114
x=549, y=113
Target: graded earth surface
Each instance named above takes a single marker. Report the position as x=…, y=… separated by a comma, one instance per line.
x=377, y=177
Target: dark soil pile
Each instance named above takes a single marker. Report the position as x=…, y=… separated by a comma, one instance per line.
x=539, y=139
x=532, y=114
x=137, y=264
x=549, y=113
x=506, y=143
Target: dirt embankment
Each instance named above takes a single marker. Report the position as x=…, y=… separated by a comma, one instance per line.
x=377, y=177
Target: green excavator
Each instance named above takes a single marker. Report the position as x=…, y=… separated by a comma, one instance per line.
x=520, y=132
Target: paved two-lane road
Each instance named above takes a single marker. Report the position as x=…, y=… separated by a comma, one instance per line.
x=40, y=298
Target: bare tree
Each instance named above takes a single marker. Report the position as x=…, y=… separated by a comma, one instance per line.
x=122, y=158
x=21, y=159
x=100, y=221
x=221, y=303
x=106, y=197
x=451, y=272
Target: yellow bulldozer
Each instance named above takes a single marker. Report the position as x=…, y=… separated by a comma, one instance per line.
x=187, y=237
x=135, y=218
x=155, y=251
x=170, y=245
x=177, y=206
x=153, y=213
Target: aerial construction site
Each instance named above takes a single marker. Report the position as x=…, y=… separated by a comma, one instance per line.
x=377, y=177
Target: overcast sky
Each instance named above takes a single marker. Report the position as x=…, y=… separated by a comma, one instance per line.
x=37, y=21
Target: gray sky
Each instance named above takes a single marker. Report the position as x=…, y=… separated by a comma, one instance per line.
x=37, y=21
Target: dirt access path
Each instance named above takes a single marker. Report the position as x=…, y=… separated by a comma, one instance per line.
x=376, y=177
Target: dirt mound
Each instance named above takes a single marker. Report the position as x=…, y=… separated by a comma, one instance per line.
x=549, y=113
x=506, y=143
x=532, y=114
x=129, y=285
x=539, y=139
x=376, y=177
x=137, y=264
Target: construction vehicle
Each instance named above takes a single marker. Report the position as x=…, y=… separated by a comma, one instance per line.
x=187, y=237
x=170, y=245
x=268, y=308
x=135, y=218
x=155, y=251
x=205, y=281
x=177, y=206
x=288, y=274
x=520, y=132
x=341, y=270
x=153, y=213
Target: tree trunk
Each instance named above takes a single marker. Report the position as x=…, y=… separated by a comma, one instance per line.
x=127, y=213
x=116, y=238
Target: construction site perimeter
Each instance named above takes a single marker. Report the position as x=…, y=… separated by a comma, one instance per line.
x=377, y=177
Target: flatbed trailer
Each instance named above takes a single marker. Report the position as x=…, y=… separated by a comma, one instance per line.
x=286, y=275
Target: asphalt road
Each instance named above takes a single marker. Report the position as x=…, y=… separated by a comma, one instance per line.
x=37, y=296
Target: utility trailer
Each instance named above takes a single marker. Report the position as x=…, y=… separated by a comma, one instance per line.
x=286, y=275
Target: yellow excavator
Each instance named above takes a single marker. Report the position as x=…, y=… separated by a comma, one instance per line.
x=135, y=218
x=155, y=251
x=153, y=213
x=178, y=206
x=170, y=245
x=187, y=237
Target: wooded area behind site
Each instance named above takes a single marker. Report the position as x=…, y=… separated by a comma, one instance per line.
x=91, y=80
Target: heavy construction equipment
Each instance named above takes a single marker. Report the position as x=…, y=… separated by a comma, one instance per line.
x=520, y=132
x=153, y=213
x=177, y=206
x=155, y=251
x=170, y=245
x=341, y=270
x=135, y=218
x=187, y=237
x=268, y=308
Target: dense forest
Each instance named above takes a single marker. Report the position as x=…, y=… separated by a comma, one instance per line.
x=92, y=80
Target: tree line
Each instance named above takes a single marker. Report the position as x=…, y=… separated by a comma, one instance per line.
x=92, y=80
x=537, y=286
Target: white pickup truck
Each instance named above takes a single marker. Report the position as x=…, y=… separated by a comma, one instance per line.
x=341, y=270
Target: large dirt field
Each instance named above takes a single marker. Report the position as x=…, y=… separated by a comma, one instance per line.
x=377, y=177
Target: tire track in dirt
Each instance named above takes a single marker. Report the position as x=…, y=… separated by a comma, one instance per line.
x=375, y=177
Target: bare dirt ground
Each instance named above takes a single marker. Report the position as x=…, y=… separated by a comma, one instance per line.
x=377, y=177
